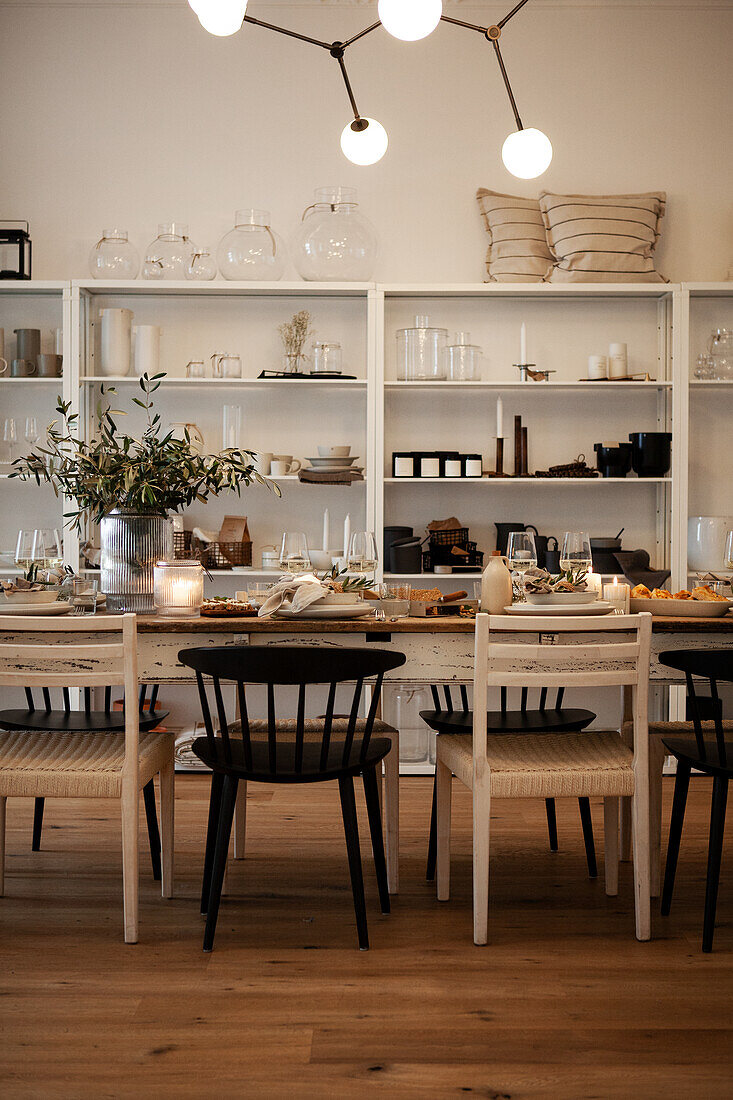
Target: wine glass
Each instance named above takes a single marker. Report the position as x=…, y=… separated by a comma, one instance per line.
x=521, y=554
x=47, y=548
x=10, y=439
x=729, y=549
x=294, y=557
x=575, y=553
x=362, y=553
x=24, y=550
x=31, y=431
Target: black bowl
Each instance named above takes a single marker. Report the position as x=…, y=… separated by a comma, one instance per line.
x=651, y=455
x=613, y=461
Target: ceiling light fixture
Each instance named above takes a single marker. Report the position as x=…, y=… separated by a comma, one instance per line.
x=526, y=153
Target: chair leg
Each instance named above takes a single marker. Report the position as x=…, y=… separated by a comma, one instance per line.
x=481, y=822
x=610, y=844
x=551, y=823
x=443, y=785
x=3, y=805
x=240, y=820
x=38, y=807
x=351, y=831
x=371, y=796
x=223, y=833
x=217, y=786
x=392, y=814
x=167, y=822
x=715, y=848
x=656, y=771
x=130, y=863
x=590, y=848
x=153, y=834
x=432, y=835
x=640, y=845
x=681, y=784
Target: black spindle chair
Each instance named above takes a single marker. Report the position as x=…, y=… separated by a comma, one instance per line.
x=66, y=720
x=298, y=750
x=553, y=719
x=711, y=755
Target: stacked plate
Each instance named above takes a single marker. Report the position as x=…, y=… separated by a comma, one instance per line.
x=331, y=459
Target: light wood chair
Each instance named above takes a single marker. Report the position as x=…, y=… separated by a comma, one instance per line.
x=606, y=651
x=85, y=765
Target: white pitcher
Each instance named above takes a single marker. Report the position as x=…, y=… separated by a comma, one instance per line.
x=116, y=341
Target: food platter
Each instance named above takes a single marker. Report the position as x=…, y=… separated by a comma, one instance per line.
x=337, y=611
x=683, y=609
x=598, y=607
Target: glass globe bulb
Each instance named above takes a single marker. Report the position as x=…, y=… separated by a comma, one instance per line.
x=527, y=153
x=364, y=146
x=220, y=17
x=410, y=20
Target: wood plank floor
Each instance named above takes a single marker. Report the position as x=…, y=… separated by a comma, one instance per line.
x=563, y=1002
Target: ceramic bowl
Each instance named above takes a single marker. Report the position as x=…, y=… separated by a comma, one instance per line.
x=45, y=595
x=334, y=452
x=321, y=559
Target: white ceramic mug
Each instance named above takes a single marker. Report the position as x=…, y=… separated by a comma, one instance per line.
x=282, y=465
x=116, y=344
x=146, y=349
x=263, y=460
x=597, y=366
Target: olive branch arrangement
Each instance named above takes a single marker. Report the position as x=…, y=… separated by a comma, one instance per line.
x=157, y=473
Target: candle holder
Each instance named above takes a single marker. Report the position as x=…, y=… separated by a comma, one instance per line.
x=499, y=471
x=178, y=588
x=526, y=373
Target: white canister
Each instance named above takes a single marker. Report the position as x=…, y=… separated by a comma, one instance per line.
x=430, y=466
x=146, y=349
x=618, y=361
x=116, y=341
x=597, y=366
x=270, y=557
x=706, y=542
x=474, y=466
x=453, y=467
x=58, y=341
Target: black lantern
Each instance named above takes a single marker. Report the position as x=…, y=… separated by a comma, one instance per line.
x=15, y=250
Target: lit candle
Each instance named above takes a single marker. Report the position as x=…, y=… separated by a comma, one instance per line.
x=523, y=343
x=347, y=534
x=499, y=418
x=178, y=588
x=326, y=530
x=593, y=580
x=618, y=595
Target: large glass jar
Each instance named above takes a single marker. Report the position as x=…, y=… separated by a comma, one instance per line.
x=421, y=352
x=252, y=250
x=721, y=352
x=402, y=705
x=114, y=257
x=170, y=254
x=335, y=243
x=132, y=543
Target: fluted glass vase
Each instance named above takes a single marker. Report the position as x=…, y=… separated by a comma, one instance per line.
x=132, y=542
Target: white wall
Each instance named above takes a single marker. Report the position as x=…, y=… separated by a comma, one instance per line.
x=132, y=114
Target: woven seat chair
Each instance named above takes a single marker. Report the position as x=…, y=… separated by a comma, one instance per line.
x=586, y=763
x=43, y=764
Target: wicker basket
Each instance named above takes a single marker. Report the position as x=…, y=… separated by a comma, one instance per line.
x=182, y=544
x=473, y=559
x=454, y=536
x=222, y=555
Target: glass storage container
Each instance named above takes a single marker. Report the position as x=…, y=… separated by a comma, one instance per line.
x=335, y=242
x=402, y=708
x=721, y=352
x=421, y=352
x=463, y=359
x=114, y=257
x=178, y=588
x=252, y=249
x=327, y=359
x=170, y=254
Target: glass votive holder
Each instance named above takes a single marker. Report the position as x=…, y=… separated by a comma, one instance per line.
x=178, y=588
x=84, y=596
x=618, y=595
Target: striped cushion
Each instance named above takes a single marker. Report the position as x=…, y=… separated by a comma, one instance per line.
x=518, y=250
x=603, y=238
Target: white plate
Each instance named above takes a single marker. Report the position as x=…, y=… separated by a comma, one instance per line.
x=339, y=611
x=559, y=599
x=36, y=609
x=682, y=609
x=599, y=607
x=335, y=461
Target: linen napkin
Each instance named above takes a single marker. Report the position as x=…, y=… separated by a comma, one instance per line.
x=293, y=594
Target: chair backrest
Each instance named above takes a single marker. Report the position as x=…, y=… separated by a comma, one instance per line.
x=32, y=654
x=555, y=701
x=713, y=665
x=592, y=651
x=300, y=666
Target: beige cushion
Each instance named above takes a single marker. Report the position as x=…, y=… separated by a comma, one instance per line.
x=603, y=238
x=591, y=762
x=64, y=765
x=518, y=251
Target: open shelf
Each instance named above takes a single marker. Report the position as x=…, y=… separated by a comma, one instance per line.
x=231, y=383
x=539, y=387
x=514, y=481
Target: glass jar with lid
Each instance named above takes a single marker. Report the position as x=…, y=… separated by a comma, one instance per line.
x=327, y=359
x=252, y=249
x=463, y=359
x=721, y=352
x=170, y=254
x=114, y=257
x=335, y=242
x=421, y=352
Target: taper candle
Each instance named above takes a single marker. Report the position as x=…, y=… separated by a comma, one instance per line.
x=499, y=418
x=326, y=530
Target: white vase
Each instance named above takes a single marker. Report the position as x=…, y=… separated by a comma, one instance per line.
x=146, y=349
x=116, y=344
x=496, y=586
x=706, y=542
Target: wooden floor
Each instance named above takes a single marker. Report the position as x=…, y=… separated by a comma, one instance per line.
x=563, y=1002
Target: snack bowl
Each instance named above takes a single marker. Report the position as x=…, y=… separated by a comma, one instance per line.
x=682, y=609
x=40, y=596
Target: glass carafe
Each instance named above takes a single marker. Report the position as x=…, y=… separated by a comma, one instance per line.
x=721, y=352
x=114, y=257
x=463, y=359
x=170, y=254
x=421, y=352
x=252, y=249
x=335, y=242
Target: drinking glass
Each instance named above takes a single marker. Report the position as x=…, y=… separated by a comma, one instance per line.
x=521, y=555
x=84, y=596
x=395, y=600
x=31, y=431
x=729, y=549
x=362, y=553
x=294, y=557
x=24, y=550
x=575, y=553
x=47, y=548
